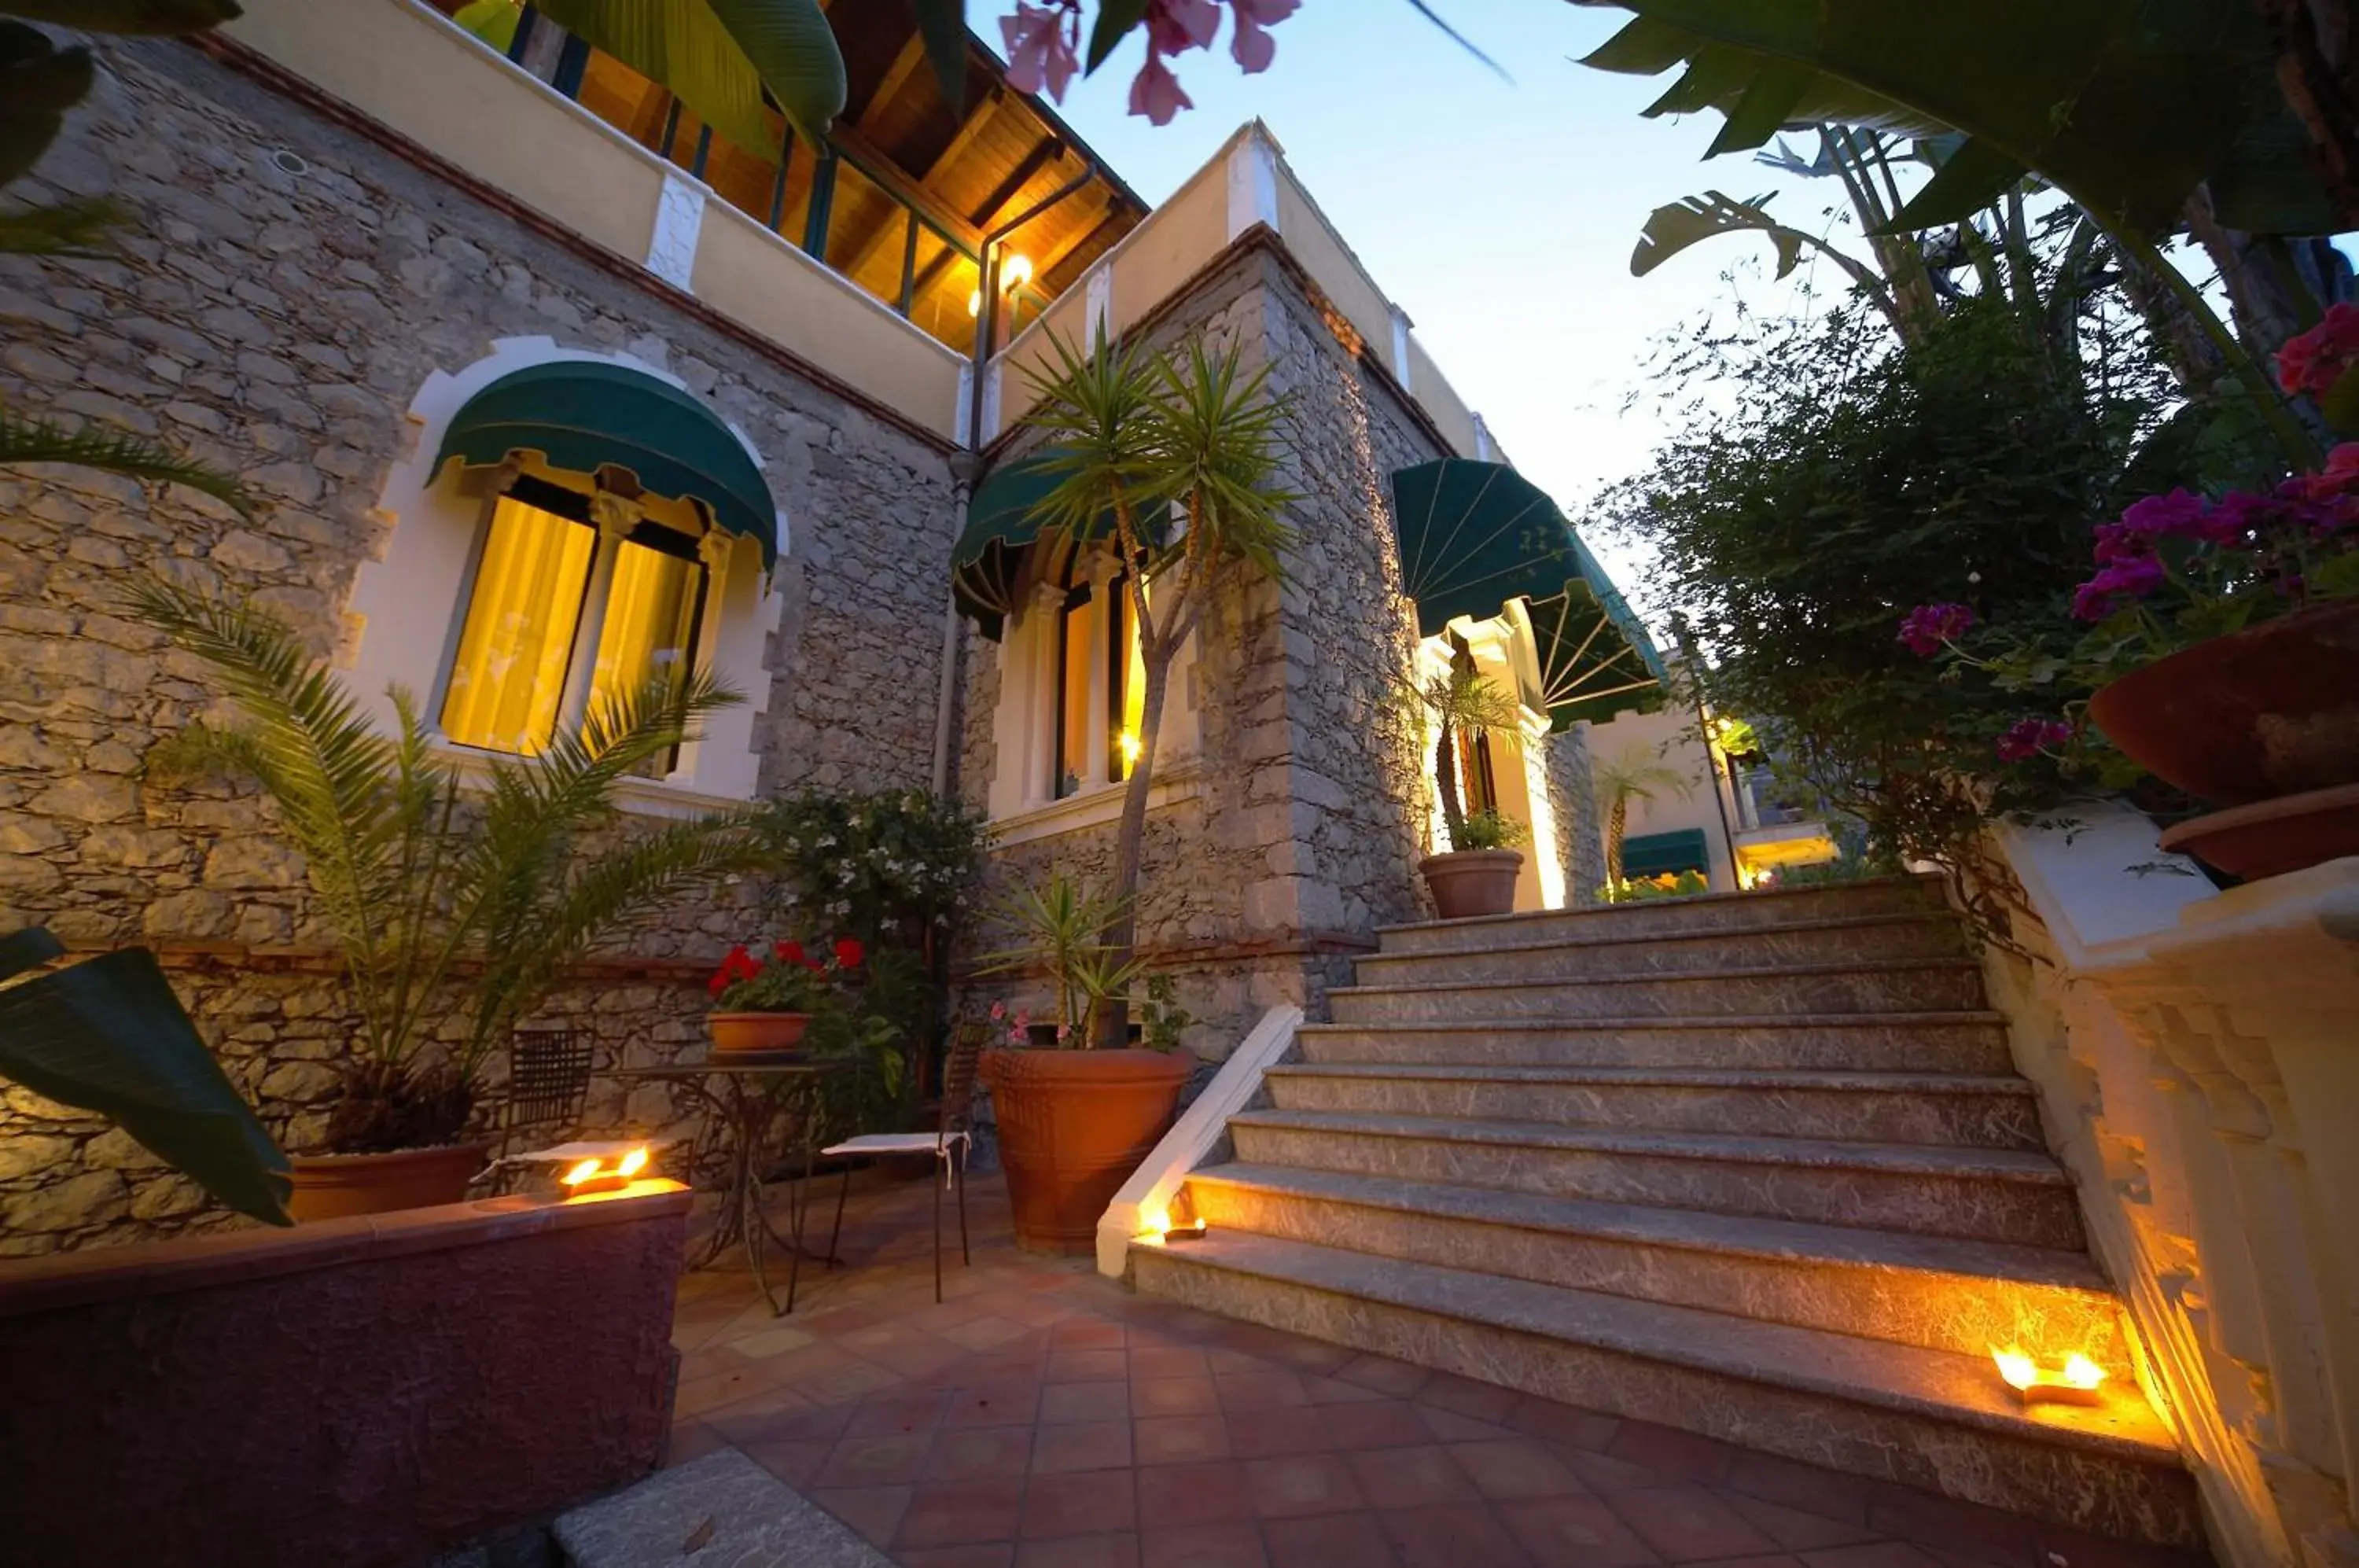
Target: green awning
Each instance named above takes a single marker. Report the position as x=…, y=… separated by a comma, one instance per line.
x=1003, y=523
x=584, y=415
x=1665, y=855
x=1475, y=535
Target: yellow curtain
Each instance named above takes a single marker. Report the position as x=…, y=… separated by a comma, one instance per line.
x=1082, y=647
x=510, y=673
x=650, y=623
x=1130, y=697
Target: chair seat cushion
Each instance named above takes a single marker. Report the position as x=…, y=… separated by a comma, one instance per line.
x=892, y=1143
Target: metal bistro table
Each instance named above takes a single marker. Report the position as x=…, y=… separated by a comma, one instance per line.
x=747, y=1095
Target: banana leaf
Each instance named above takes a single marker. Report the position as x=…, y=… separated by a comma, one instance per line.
x=2126, y=105
x=108, y=1035
x=719, y=55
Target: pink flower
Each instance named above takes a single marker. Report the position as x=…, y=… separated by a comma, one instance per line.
x=2116, y=542
x=1249, y=45
x=1173, y=26
x=2342, y=464
x=2316, y=360
x=1156, y=93
x=2235, y=520
x=2027, y=738
x=998, y=1011
x=1927, y=627
x=1041, y=53
x=2179, y=515
x=2098, y=597
x=1024, y=1021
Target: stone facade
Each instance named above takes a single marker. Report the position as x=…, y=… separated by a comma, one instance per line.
x=1572, y=796
x=291, y=282
x=278, y=325
x=1301, y=834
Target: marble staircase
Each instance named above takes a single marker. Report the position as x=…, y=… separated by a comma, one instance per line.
x=1757, y=1166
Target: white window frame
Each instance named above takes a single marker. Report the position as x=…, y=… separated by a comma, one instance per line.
x=409, y=603
x=1022, y=799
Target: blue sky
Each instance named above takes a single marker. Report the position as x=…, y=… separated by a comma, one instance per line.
x=1500, y=214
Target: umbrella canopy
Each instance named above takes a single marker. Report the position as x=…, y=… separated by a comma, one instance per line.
x=587, y=414
x=1475, y=536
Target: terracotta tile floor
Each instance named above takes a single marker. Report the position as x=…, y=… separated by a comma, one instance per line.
x=1042, y=1417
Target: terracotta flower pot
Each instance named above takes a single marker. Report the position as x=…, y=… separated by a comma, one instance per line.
x=1073, y=1125
x=755, y=1034
x=2264, y=721
x=335, y=1186
x=1468, y=882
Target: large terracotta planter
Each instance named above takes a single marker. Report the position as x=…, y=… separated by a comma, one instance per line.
x=1468, y=882
x=1073, y=1125
x=2264, y=722
x=755, y=1034
x=336, y=1186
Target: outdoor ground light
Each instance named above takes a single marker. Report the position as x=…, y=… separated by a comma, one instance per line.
x=2079, y=1381
x=592, y=1165
x=1159, y=1227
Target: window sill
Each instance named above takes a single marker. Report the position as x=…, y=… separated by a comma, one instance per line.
x=638, y=797
x=1182, y=781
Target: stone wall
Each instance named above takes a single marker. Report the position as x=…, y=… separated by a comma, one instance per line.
x=1572, y=795
x=277, y=324
x=1299, y=838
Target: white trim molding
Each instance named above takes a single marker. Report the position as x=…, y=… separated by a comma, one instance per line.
x=1157, y=1182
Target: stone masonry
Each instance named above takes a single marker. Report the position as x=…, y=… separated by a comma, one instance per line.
x=276, y=325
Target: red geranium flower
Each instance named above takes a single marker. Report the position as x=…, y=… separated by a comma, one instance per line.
x=735, y=965
x=849, y=952
x=790, y=953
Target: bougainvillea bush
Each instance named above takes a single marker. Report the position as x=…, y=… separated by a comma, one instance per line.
x=2174, y=570
x=1830, y=481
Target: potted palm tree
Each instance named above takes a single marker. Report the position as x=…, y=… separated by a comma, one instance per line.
x=1477, y=874
x=456, y=912
x=1171, y=459
x=1074, y=1121
x=1634, y=773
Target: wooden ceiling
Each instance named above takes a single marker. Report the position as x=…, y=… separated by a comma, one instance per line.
x=973, y=168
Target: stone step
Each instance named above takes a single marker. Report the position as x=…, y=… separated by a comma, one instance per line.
x=1611, y=950
x=1843, y=1042
x=1930, y=1292
x=1980, y=1195
x=1930, y=1419
x=1902, y=984
x=1989, y=1112
x=1655, y=916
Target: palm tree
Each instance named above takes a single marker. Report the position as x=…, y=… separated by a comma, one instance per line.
x=1135, y=439
x=431, y=888
x=1635, y=773
x=1461, y=704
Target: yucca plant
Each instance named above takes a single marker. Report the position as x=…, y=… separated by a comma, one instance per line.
x=448, y=899
x=1172, y=459
x=1062, y=926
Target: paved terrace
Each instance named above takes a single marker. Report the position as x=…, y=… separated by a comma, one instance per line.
x=1042, y=1417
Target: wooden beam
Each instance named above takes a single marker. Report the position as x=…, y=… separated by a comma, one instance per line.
x=978, y=119
x=1047, y=150
x=897, y=76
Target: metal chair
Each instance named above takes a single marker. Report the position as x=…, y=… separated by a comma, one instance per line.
x=948, y=1143
x=549, y=1083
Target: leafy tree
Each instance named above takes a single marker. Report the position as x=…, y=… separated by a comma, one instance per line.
x=1836, y=481
x=1169, y=458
